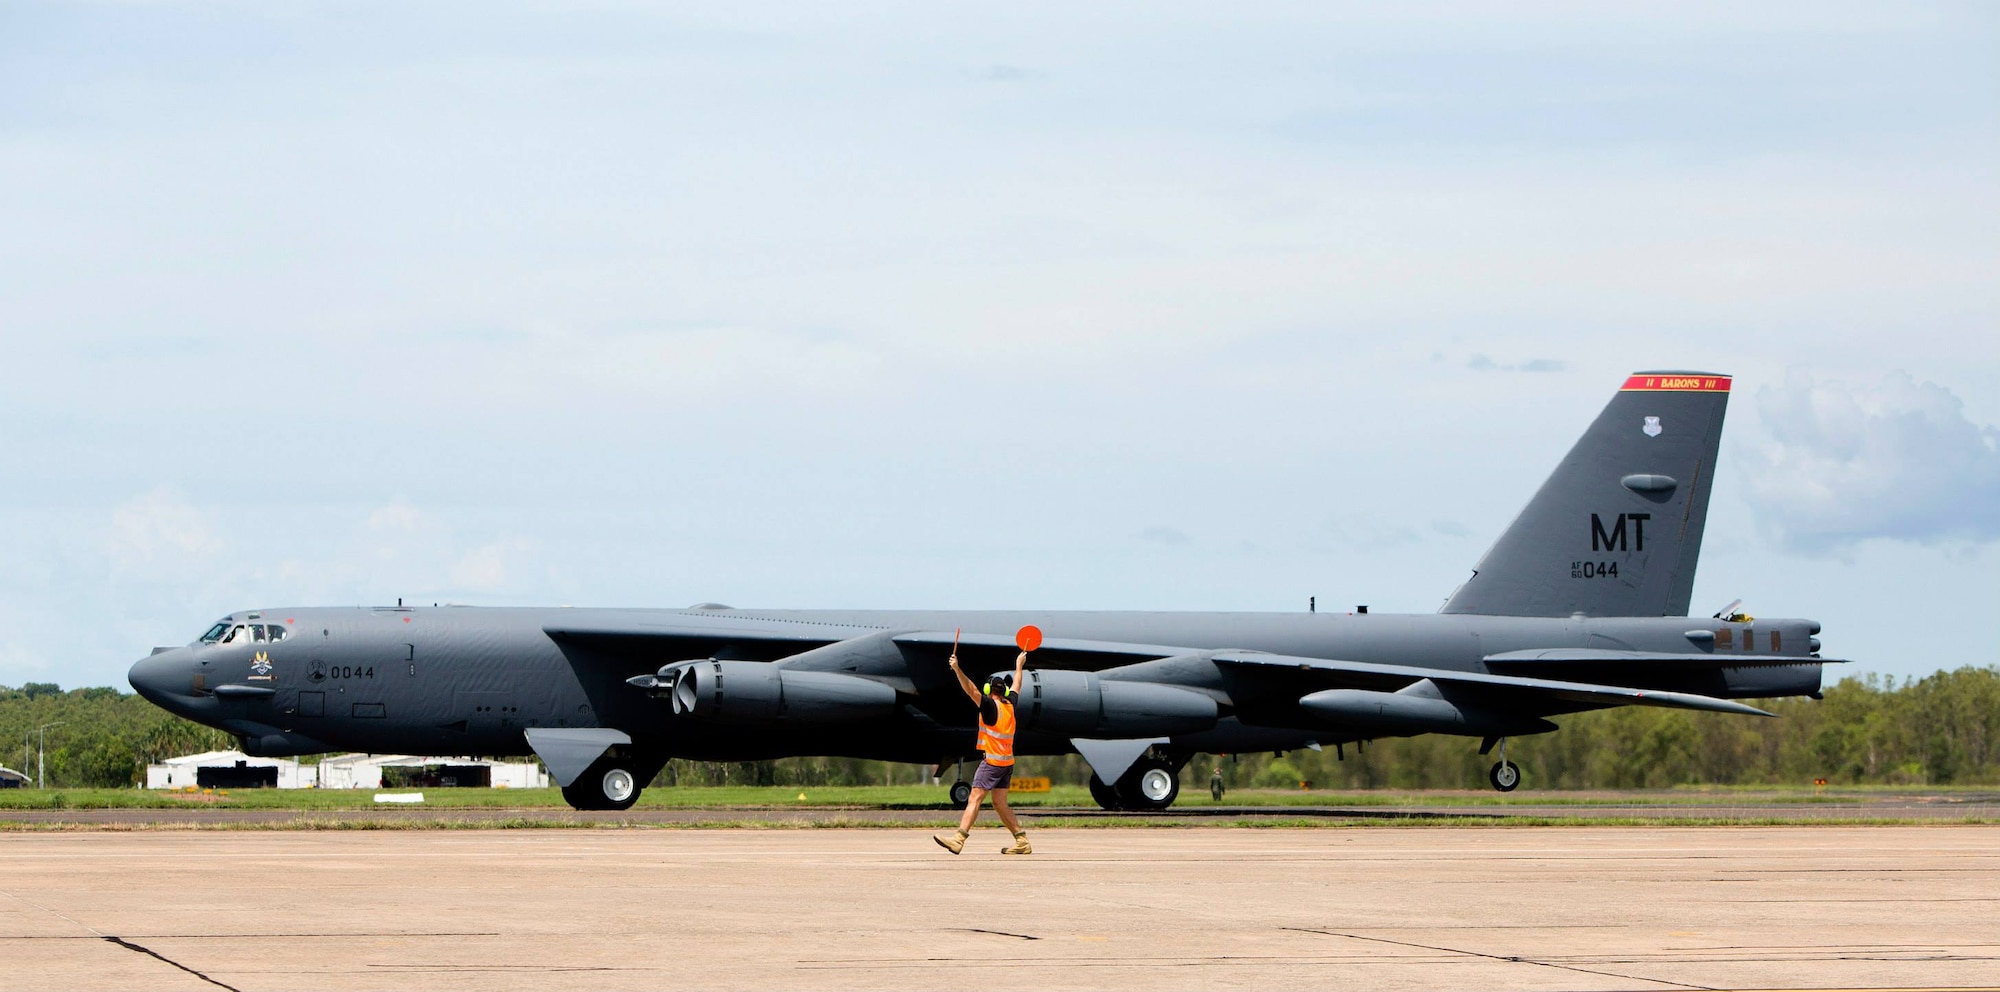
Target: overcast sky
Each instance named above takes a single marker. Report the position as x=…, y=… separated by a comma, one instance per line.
x=1130, y=306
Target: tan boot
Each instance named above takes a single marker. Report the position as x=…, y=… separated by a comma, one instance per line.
x=1021, y=845
x=954, y=843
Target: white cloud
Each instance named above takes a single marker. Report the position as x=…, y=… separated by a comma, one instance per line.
x=396, y=516
x=159, y=529
x=485, y=568
x=1896, y=460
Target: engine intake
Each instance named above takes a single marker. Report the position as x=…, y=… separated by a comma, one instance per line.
x=1079, y=704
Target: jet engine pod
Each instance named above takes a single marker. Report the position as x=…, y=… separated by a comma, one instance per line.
x=751, y=692
x=1414, y=712
x=1079, y=704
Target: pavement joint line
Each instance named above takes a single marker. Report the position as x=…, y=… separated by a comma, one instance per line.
x=1506, y=957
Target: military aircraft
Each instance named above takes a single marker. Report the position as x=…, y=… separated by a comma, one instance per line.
x=1580, y=605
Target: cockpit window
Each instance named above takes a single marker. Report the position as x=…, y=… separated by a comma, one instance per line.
x=215, y=633
x=274, y=632
x=235, y=634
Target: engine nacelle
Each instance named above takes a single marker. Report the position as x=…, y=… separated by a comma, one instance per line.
x=760, y=692
x=1401, y=713
x=1079, y=704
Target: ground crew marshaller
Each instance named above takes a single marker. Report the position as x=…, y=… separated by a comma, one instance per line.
x=995, y=700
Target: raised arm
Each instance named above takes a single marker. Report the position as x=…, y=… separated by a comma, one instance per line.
x=1020, y=666
x=971, y=691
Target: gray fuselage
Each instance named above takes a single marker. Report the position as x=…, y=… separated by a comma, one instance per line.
x=465, y=680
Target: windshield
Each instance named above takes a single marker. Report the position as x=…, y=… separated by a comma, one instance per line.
x=215, y=633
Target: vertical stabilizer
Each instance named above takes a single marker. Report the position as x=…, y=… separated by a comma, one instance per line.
x=1616, y=529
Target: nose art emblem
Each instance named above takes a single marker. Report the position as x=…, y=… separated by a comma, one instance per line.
x=260, y=666
x=1652, y=428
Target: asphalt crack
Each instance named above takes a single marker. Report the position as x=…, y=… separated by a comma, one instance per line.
x=996, y=933
x=149, y=952
x=1511, y=958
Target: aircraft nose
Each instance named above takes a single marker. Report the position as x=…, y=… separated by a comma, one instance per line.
x=162, y=676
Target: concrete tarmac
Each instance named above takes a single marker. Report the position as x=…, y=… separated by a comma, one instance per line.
x=1534, y=908
x=1746, y=809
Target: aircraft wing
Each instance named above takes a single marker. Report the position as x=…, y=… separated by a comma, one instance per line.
x=1550, y=657
x=1054, y=652
x=1319, y=673
x=623, y=632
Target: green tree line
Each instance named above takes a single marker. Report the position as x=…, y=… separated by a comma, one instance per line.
x=99, y=736
x=1940, y=730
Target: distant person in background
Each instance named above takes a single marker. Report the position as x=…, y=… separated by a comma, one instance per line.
x=995, y=700
x=1215, y=784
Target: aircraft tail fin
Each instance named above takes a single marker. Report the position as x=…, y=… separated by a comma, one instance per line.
x=1616, y=529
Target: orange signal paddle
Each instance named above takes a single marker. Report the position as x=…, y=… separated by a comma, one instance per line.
x=1028, y=638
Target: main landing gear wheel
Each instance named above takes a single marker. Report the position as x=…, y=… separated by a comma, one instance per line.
x=608, y=784
x=961, y=793
x=1505, y=775
x=1149, y=786
x=1106, y=796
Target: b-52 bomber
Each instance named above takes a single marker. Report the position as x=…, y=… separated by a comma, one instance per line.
x=1581, y=605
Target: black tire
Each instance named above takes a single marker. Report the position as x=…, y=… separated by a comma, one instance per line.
x=608, y=784
x=1505, y=776
x=961, y=793
x=1149, y=785
x=1106, y=796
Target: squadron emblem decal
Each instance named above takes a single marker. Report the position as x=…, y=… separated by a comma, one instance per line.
x=1652, y=428
x=260, y=667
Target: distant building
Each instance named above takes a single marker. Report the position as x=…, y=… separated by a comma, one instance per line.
x=404, y=771
x=11, y=779
x=230, y=770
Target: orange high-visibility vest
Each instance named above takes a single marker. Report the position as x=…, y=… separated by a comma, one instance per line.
x=998, y=740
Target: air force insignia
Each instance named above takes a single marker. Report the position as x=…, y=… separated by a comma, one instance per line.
x=1652, y=427
x=260, y=666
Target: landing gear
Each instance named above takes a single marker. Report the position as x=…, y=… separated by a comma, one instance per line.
x=1505, y=775
x=961, y=793
x=1151, y=784
x=1106, y=796
x=611, y=782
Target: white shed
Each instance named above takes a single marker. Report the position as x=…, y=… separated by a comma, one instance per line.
x=230, y=770
x=400, y=771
